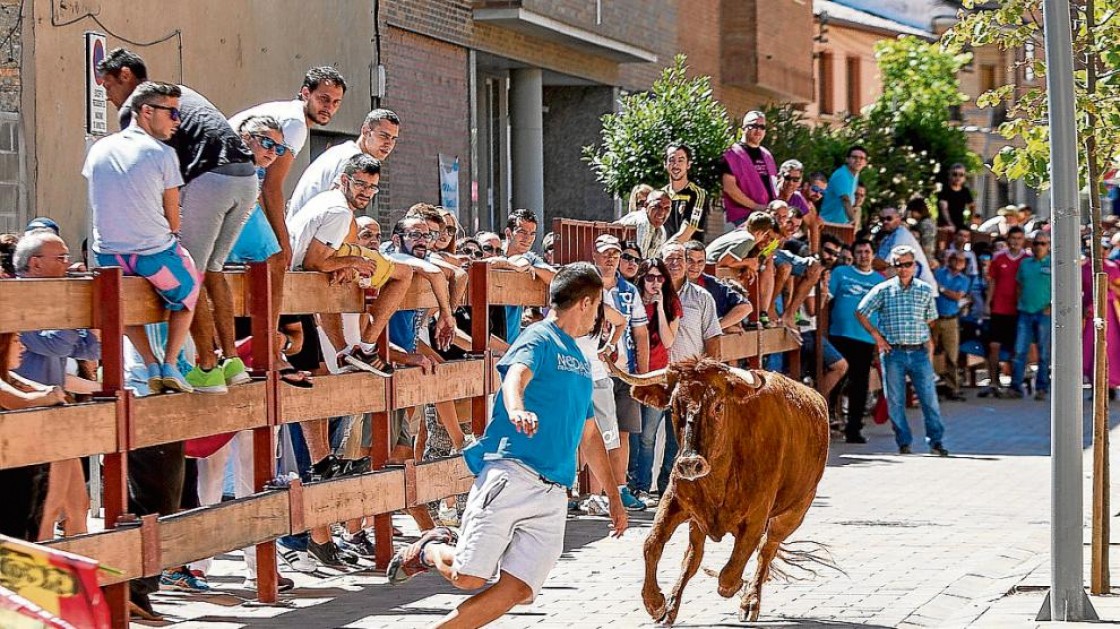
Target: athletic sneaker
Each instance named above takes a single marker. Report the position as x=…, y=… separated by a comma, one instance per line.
x=283, y=584
x=203, y=381
x=596, y=505
x=630, y=501
x=173, y=381
x=155, y=379
x=298, y=560
x=359, y=543
x=370, y=362
x=179, y=579
x=650, y=500
x=409, y=560
x=234, y=371
x=330, y=555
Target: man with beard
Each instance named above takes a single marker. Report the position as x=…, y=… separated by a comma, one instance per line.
x=689, y=215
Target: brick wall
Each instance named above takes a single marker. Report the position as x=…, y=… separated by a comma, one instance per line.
x=446, y=20
x=426, y=84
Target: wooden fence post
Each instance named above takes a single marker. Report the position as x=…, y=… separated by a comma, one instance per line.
x=265, y=351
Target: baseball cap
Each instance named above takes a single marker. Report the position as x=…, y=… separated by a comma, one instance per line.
x=751, y=116
x=41, y=222
x=607, y=241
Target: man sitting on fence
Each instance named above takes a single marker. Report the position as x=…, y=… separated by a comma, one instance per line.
x=521, y=233
x=514, y=522
x=650, y=222
x=804, y=271
x=134, y=205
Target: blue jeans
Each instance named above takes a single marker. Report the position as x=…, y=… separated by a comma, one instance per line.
x=1034, y=327
x=671, y=448
x=641, y=449
x=898, y=364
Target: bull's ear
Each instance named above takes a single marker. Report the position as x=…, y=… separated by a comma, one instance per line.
x=654, y=395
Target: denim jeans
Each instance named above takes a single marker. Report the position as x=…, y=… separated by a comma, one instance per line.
x=641, y=449
x=671, y=448
x=899, y=363
x=1034, y=327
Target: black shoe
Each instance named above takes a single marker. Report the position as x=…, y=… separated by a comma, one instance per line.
x=353, y=467
x=329, y=467
x=956, y=396
x=855, y=439
x=904, y=450
x=938, y=449
x=1012, y=394
x=330, y=555
x=361, y=544
x=986, y=391
x=371, y=362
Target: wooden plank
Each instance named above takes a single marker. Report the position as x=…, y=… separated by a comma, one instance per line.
x=738, y=346
x=419, y=295
x=307, y=292
x=201, y=533
x=45, y=304
x=778, y=340
x=453, y=380
x=118, y=549
x=334, y=396
x=351, y=497
x=56, y=434
x=168, y=418
x=142, y=304
x=511, y=288
x=442, y=478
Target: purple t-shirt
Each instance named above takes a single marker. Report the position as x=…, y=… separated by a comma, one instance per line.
x=799, y=203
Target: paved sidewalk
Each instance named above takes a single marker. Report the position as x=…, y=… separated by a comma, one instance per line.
x=923, y=541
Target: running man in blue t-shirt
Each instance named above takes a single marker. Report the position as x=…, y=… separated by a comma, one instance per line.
x=515, y=516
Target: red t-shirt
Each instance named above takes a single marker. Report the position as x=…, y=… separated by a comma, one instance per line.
x=658, y=353
x=1004, y=272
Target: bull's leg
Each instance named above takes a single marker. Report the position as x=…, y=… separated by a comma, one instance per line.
x=670, y=515
x=780, y=527
x=746, y=541
x=689, y=566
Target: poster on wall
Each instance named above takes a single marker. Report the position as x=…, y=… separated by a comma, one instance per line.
x=449, y=183
x=97, y=122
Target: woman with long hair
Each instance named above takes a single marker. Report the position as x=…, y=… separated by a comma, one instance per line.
x=25, y=488
x=664, y=310
x=638, y=196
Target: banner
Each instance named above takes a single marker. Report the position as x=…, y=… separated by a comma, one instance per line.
x=449, y=183
x=60, y=585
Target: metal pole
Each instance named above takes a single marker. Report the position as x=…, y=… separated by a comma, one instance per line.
x=1066, y=600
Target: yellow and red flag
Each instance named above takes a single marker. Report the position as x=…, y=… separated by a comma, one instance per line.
x=61, y=585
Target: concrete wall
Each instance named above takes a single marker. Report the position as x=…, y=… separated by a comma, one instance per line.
x=13, y=202
x=844, y=42
x=571, y=122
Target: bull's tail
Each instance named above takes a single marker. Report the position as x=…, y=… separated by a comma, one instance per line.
x=803, y=560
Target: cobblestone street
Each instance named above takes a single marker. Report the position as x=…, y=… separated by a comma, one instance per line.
x=923, y=541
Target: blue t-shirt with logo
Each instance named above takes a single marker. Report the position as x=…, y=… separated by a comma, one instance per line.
x=848, y=285
x=560, y=395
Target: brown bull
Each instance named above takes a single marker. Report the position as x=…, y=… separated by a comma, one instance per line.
x=753, y=448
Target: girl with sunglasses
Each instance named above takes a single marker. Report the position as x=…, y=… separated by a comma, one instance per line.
x=631, y=259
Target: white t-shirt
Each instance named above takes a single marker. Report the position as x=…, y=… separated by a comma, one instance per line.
x=289, y=113
x=589, y=345
x=325, y=218
x=321, y=174
x=127, y=174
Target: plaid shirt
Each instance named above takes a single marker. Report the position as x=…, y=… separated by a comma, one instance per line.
x=904, y=313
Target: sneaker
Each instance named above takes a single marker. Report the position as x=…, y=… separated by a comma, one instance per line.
x=283, y=584
x=360, y=544
x=596, y=505
x=630, y=501
x=327, y=468
x=855, y=439
x=956, y=396
x=330, y=555
x=179, y=579
x=1012, y=394
x=298, y=560
x=987, y=392
x=1040, y=396
x=904, y=450
x=650, y=500
x=173, y=381
x=938, y=449
x=409, y=560
x=370, y=362
x=203, y=381
x=155, y=379
x=233, y=369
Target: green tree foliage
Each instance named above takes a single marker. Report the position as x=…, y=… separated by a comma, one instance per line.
x=676, y=109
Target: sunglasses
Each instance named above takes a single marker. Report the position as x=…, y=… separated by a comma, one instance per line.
x=489, y=248
x=1040, y=243
x=793, y=179
x=172, y=112
x=817, y=189
x=629, y=257
x=269, y=144
x=832, y=252
x=756, y=127
x=472, y=252
x=903, y=265
x=956, y=174
x=655, y=278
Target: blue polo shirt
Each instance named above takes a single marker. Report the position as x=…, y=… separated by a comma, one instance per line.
x=947, y=280
x=560, y=395
x=843, y=182
x=848, y=285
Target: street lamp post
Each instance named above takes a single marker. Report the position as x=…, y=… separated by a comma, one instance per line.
x=1066, y=599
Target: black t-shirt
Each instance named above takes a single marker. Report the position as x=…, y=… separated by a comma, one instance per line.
x=204, y=140
x=689, y=205
x=958, y=201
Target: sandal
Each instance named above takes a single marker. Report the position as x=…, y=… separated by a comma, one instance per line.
x=296, y=378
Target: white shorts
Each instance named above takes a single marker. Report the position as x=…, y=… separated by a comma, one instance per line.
x=514, y=522
x=606, y=413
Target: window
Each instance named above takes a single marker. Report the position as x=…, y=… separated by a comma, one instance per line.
x=987, y=77
x=825, y=83
x=855, y=101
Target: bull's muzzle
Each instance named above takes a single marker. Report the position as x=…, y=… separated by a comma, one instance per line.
x=690, y=465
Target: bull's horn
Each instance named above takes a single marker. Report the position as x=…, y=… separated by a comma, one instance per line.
x=652, y=378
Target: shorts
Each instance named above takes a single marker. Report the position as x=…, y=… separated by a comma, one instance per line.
x=214, y=209
x=736, y=243
x=171, y=272
x=627, y=409
x=606, y=416
x=404, y=424
x=257, y=241
x=799, y=263
x=383, y=265
x=808, y=348
x=514, y=522
x=1002, y=330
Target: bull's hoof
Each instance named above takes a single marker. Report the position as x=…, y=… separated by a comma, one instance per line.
x=728, y=592
x=748, y=611
x=671, y=609
x=655, y=605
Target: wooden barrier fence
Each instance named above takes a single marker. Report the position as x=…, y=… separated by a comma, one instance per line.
x=117, y=422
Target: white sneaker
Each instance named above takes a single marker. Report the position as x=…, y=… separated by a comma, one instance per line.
x=298, y=560
x=448, y=515
x=596, y=505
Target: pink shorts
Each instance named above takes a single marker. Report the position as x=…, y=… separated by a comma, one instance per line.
x=171, y=272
